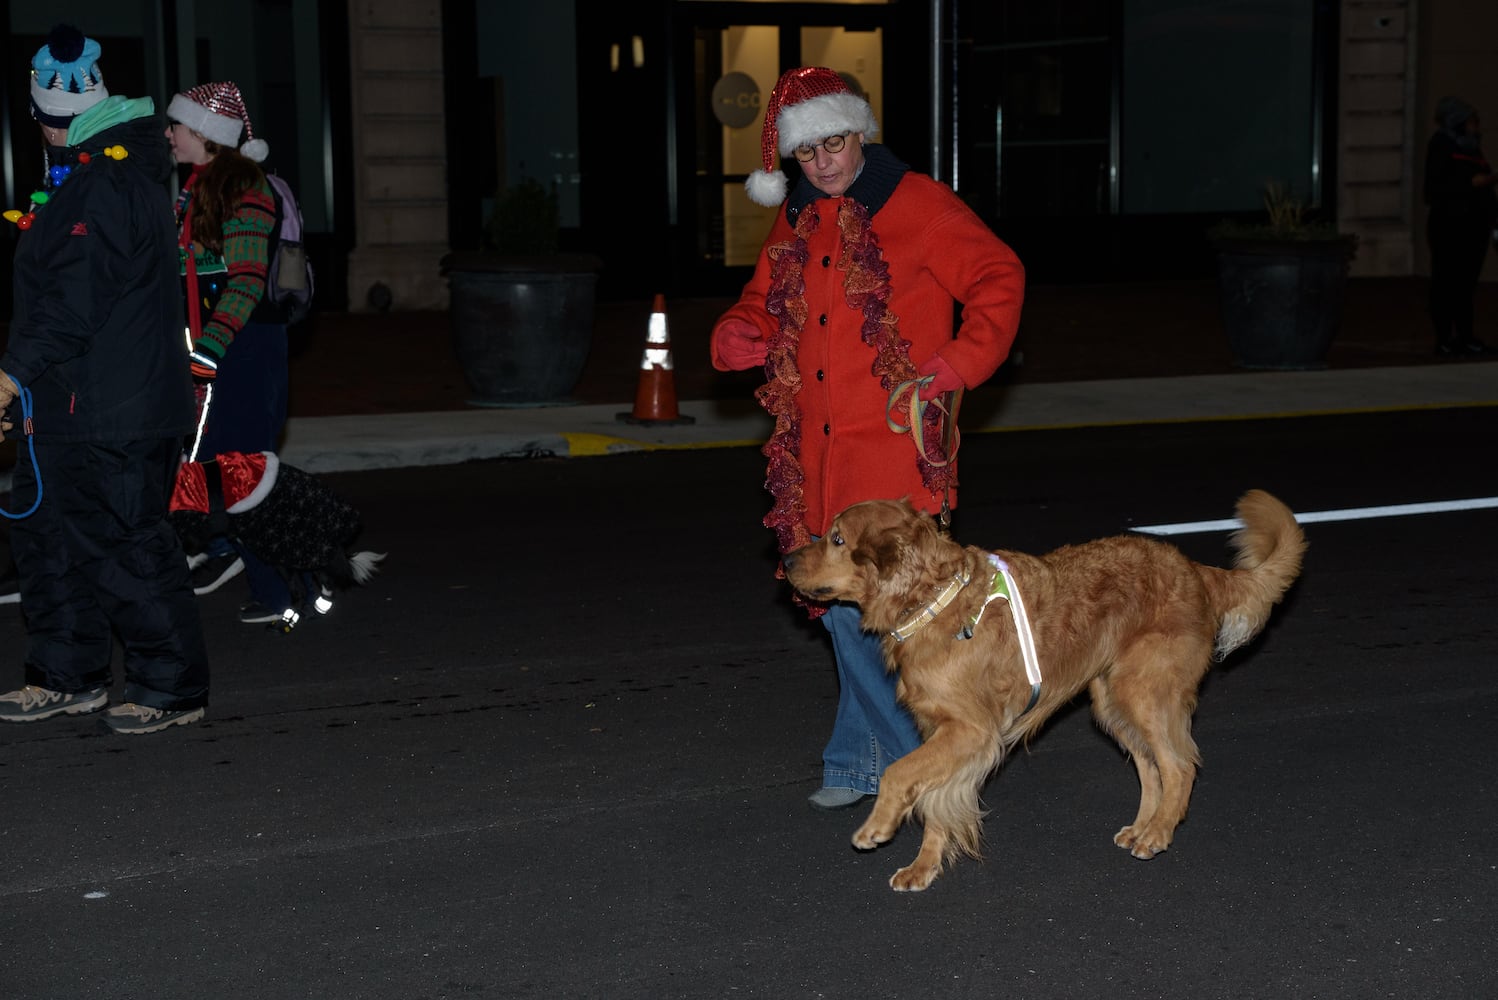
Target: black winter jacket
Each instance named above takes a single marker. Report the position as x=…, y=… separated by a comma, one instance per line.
x=97, y=331
x=1449, y=170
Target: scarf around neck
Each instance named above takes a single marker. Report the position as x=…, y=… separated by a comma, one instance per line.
x=866, y=289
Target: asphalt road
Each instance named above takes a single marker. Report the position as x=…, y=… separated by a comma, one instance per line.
x=560, y=748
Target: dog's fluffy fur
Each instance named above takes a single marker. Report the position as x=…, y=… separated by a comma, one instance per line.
x=1130, y=619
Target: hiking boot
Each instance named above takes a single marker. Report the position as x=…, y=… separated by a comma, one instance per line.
x=213, y=572
x=131, y=719
x=31, y=703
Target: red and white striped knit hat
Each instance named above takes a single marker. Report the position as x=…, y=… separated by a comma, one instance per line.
x=216, y=111
x=807, y=105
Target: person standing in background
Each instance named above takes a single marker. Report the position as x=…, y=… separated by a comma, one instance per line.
x=1459, y=189
x=96, y=342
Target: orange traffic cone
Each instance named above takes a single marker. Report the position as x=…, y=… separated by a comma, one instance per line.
x=655, y=397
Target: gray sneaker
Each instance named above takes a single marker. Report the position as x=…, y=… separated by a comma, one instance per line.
x=830, y=799
x=131, y=719
x=31, y=703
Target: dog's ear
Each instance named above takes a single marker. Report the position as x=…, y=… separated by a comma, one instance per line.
x=896, y=552
x=880, y=554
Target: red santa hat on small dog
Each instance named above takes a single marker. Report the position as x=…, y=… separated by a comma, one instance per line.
x=216, y=111
x=807, y=105
x=246, y=477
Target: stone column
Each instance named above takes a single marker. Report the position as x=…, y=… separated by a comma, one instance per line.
x=1379, y=141
x=399, y=155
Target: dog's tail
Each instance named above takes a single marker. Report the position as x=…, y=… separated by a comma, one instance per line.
x=364, y=565
x=1270, y=547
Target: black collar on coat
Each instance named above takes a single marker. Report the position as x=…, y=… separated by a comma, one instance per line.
x=872, y=188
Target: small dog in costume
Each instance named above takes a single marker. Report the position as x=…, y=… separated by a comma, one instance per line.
x=286, y=516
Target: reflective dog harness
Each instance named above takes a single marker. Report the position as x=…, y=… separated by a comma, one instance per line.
x=1003, y=588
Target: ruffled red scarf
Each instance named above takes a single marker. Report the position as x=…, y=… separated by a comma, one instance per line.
x=867, y=289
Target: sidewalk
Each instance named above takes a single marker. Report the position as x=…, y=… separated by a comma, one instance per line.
x=382, y=391
x=372, y=391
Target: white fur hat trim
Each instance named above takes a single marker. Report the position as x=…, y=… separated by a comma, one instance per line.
x=220, y=128
x=815, y=119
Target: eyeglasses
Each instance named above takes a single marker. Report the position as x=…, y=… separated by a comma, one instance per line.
x=833, y=144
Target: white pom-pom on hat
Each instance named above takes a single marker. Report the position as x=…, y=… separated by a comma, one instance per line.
x=766, y=187
x=256, y=149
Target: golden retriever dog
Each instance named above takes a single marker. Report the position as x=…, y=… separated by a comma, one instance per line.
x=1131, y=619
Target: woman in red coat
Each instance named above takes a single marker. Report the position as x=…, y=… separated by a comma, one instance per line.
x=852, y=296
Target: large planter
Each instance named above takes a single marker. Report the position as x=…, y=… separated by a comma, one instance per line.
x=1282, y=299
x=522, y=326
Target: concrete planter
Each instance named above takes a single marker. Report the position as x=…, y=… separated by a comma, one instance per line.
x=1281, y=300
x=522, y=326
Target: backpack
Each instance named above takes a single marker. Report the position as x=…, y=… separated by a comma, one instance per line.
x=290, y=282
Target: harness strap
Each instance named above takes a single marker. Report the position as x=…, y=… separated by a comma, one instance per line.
x=1004, y=588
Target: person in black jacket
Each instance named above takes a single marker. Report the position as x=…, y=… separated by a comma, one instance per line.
x=1459, y=188
x=96, y=343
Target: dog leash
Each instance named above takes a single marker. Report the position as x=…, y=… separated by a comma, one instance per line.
x=947, y=403
x=192, y=456
x=951, y=438
x=24, y=395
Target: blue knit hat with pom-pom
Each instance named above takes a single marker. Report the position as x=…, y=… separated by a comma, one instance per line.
x=65, y=77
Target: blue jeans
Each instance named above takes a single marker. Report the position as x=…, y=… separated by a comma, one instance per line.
x=872, y=730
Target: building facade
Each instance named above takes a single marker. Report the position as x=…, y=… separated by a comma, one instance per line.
x=1101, y=138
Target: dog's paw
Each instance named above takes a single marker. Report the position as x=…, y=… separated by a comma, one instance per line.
x=914, y=877
x=870, y=836
x=1140, y=843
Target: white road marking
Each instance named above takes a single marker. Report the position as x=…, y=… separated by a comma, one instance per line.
x=1311, y=517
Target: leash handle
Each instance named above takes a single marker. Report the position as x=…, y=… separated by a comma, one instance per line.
x=951, y=437
x=947, y=403
x=24, y=395
x=192, y=455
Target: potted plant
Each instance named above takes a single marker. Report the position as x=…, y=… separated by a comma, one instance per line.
x=522, y=312
x=1282, y=284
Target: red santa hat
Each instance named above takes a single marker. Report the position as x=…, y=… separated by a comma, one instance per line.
x=807, y=105
x=216, y=111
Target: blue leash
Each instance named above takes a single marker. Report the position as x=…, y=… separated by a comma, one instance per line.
x=24, y=395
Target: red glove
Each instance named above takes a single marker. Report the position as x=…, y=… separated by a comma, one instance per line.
x=944, y=378
x=738, y=344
